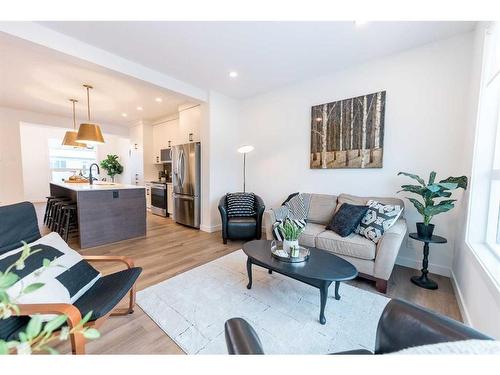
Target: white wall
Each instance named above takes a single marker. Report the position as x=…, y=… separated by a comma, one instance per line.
x=427, y=90
x=11, y=179
x=477, y=292
x=220, y=160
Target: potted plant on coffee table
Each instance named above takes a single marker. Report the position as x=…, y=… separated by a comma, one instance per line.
x=291, y=233
x=433, y=196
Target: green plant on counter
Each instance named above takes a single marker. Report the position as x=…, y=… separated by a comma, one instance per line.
x=431, y=191
x=291, y=231
x=112, y=166
x=37, y=336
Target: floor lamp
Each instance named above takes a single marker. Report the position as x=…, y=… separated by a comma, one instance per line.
x=245, y=150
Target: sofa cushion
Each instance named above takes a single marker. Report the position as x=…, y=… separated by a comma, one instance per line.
x=241, y=227
x=311, y=231
x=240, y=204
x=353, y=199
x=347, y=219
x=378, y=219
x=321, y=208
x=353, y=245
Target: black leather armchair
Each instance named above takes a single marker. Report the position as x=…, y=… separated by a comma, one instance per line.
x=241, y=228
x=402, y=325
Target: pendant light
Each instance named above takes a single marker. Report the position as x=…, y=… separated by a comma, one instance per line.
x=70, y=136
x=88, y=132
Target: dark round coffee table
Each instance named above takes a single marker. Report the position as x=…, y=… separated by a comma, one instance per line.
x=319, y=271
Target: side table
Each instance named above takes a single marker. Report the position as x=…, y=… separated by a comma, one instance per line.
x=423, y=281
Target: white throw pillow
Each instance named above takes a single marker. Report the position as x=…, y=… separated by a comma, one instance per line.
x=66, y=279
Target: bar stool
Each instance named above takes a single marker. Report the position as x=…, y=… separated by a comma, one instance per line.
x=47, y=206
x=56, y=214
x=52, y=211
x=69, y=220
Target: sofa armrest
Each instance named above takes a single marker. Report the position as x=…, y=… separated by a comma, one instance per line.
x=388, y=249
x=404, y=325
x=267, y=223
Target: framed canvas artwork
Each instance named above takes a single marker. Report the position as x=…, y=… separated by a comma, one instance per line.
x=348, y=133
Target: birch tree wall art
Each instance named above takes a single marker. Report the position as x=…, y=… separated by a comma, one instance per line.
x=348, y=133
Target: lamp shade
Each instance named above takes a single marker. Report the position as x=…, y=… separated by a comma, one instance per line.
x=89, y=133
x=70, y=139
x=245, y=149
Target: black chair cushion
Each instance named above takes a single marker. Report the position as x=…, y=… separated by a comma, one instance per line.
x=241, y=227
x=107, y=292
x=18, y=223
x=104, y=295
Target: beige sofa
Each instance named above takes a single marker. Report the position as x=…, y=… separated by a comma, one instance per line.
x=373, y=261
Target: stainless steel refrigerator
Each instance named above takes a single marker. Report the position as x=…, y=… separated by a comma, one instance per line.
x=186, y=178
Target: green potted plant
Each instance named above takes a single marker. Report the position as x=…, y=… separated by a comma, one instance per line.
x=112, y=166
x=291, y=233
x=432, y=193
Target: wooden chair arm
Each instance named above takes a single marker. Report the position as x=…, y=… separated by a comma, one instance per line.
x=110, y=258
x=73, y=314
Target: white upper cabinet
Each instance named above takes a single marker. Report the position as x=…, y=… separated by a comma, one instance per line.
x=189, y=122
x=176, y=131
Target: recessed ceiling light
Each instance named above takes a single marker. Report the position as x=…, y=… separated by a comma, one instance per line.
x=158, y=100
x=360, y=23
x=124, y=114
x=139, y=108
x=233, y=74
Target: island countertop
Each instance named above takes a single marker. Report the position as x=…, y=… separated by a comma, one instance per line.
x=97, y=185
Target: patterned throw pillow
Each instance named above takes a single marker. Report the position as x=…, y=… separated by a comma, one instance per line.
x=240, y=204
x=378, y=219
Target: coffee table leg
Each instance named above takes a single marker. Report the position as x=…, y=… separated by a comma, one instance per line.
x=337, y=295
x=249, y=271
x=323, y=292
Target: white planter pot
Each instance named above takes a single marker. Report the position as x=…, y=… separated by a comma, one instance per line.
x=288, y=244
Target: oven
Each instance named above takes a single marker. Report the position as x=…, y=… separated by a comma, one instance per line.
x=159, y=199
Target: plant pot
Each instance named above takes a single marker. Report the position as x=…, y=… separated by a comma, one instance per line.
x=425, y=231
x=288, y=244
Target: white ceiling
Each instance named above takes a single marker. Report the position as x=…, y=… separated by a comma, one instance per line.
x=266, y=55
x=40, y=79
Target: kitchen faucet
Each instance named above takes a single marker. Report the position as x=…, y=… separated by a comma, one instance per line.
x=90, y=172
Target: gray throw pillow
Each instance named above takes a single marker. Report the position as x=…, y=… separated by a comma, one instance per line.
x=346, y=219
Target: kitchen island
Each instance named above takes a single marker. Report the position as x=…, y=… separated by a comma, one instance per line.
x=107, y=212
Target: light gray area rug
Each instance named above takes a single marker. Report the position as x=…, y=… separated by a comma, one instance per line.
x=192, y=308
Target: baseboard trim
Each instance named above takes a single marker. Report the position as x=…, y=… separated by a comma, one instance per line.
x=211, y=229
x=433, y=268
x=460, y=300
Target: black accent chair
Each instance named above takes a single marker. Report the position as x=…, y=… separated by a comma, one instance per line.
x=401, y=326
x=241, y=228
x=18, y=222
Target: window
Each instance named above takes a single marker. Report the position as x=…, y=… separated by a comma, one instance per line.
x=66, y=161
x=484, y=224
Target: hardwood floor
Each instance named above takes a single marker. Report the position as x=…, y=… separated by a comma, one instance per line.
x=170, y=249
